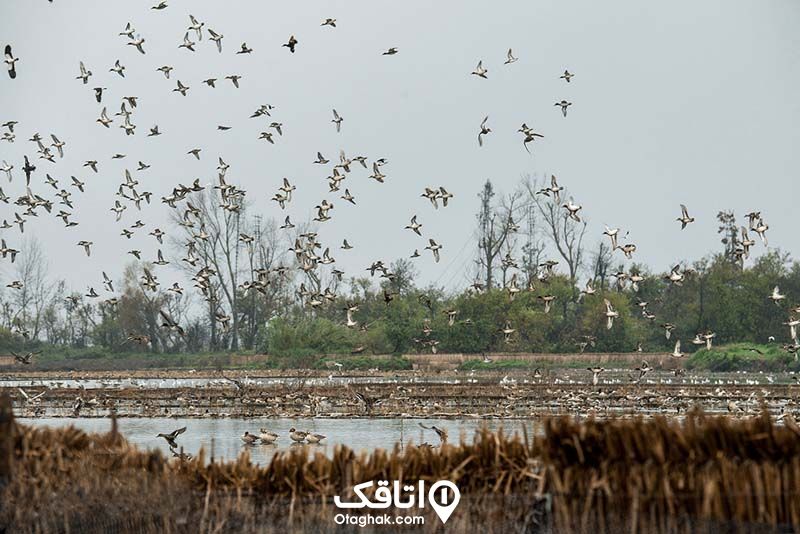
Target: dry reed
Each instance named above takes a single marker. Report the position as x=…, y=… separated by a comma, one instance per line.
x=656, y=475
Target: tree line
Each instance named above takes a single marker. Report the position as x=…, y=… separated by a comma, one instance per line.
x=536, y=285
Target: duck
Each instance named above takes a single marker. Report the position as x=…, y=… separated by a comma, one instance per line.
x=776, y=295
x=676, y=352
x=297, y=436
x=217, y=38
x=119, y=68
x=567, y=76
x=595, y=373
x=684, y=219
x=182, y=89
x=172, y=436
x=572, y=210
x=484, y=130
x=337, y=119
x=548, y=301
x=314, y=438
x=84, y=74
x=610, y=314
x=234, y=78
x=507, y=331
x=291, y=44
x=414, y=226
x=138, y=43
x=441, y=432
x=248, y=438
x=10, y=61
x=564, y=105
x=761, y=229
x=187, y=43
x=509, y=58
x=480, y=71
x=165, y=70
x=196, y=26
x=267, y=436
x=435, y=248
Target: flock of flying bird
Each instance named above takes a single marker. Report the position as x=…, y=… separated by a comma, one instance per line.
x=131, y=193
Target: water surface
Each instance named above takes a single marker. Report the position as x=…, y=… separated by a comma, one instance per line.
x=222, y=437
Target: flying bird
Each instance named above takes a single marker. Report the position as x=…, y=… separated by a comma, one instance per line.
x=684, y=219
x=84, y=74
x=11, y=62
x=291, y=44
x=510, y=58
x=480, y=71
x=337, y=119
x=564, y=105
x=483, y=131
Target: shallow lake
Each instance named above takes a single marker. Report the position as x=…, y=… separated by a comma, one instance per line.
x=222, y=437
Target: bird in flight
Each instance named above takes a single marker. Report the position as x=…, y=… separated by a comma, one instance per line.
x=217, y=38
x=291, y=44
x=182, y=89
x=564, y=105
x=165, y=70
x=138, y=43
x=435, y=248
x=480, y=71
x=337, y=120
x=510, y=58
x=684, y=219
x=10, y=62
x=484, y=130
x=84, y=75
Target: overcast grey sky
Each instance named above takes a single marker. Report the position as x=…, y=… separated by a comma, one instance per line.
x=673, y=102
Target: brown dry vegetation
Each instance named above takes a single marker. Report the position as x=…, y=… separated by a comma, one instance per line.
x=661, y=474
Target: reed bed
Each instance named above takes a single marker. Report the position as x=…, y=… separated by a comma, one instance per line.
x=654, y=475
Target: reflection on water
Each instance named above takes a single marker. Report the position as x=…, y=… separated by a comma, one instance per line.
x=222, y=437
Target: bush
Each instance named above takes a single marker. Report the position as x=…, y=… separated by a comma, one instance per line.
x=743, y=357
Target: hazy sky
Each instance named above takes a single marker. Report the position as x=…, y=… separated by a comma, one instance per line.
x=673, y=102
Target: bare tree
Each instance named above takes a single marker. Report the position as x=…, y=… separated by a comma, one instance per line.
x=213, y=232
x=601, y=265
x=533, y=249
x=30, y=301
x=266, y=294
x=564, y=232
x=495, y=225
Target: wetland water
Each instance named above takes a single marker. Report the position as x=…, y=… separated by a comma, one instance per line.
x=222, y=437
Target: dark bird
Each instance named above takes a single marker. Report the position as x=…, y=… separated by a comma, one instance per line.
x=172, y=436
x=10, y=61
x=291, y=44
x=28, y=168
